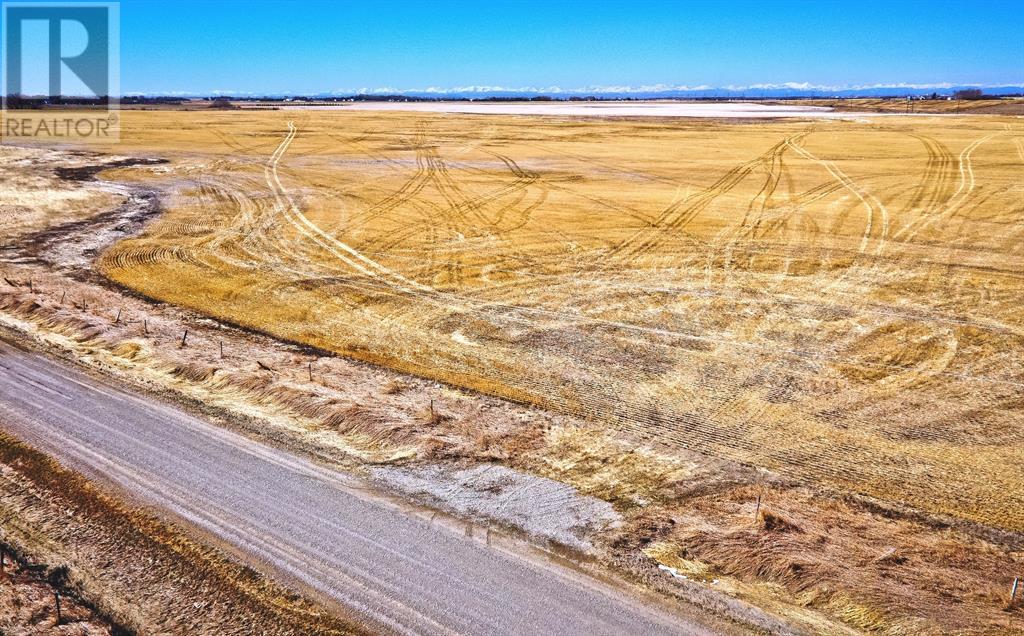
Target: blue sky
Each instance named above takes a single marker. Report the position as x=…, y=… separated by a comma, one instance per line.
x=307, y=46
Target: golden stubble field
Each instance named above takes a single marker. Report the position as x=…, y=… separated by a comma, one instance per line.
x=838, y=301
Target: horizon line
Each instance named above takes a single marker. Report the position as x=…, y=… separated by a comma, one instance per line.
x=587, y=90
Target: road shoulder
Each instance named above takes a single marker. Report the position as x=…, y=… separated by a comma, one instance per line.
x=135, y=569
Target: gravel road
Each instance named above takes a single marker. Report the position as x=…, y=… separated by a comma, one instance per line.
x=306, y=523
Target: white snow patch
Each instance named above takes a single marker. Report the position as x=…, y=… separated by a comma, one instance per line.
x=543, y=508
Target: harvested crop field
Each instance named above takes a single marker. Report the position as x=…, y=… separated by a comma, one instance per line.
x=837, y=301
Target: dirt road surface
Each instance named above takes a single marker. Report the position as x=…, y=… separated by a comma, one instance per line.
x=305, y=522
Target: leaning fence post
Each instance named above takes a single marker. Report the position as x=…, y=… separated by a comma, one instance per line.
x=184, y=337
x=1013, y=590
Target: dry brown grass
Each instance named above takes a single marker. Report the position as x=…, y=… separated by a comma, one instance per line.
x=27, y=603
x=837, y=301
x=874, y=572
x=665, y=495
x=841, y=309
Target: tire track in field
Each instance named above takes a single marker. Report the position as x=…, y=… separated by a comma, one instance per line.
x=679, y=213
x=930, y=192
x=963, y=194
x=756, y=212
x=872, y=206
x=708, y=422
x=682, y=428
x=525, y=179
x=556, y=314
x=381, y=282
x=342, y=251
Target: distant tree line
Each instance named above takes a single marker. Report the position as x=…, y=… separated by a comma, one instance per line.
x=969, y=94
x=222, y=104
x=26, y=102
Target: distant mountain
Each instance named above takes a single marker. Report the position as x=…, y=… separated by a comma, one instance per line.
x=757, y=91
x=728, y=92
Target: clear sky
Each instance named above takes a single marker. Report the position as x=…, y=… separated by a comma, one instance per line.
x=305, y=46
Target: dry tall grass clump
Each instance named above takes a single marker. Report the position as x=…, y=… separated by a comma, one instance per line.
x=875, y=572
